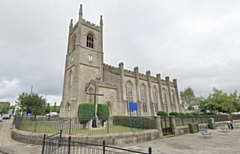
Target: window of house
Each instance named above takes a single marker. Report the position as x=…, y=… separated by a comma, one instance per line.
x=143, y=98
x=89, y=41
x=128, y=94
x=155, y=101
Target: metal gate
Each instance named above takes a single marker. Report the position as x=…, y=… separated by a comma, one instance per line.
x=166, y=126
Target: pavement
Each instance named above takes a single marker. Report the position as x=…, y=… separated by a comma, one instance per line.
x=220, y=142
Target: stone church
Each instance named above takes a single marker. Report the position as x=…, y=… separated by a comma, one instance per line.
x=85, y=72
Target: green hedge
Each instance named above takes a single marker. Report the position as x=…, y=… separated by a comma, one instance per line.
x=188, y=114
x=162, y=113
x=174, y=113
x=85, y=112
x=103, y=112
x=144, y=122
x=181, y=114
x=195, y=113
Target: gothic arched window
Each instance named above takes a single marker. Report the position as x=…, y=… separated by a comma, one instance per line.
x=143, y=98
x=155, y=101
x=173, y=97
x=73, y=42
x=128, y=94
x=89, y=42
x=164, y=96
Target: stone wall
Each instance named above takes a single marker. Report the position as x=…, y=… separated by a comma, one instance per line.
x=185, y=130
x=111, y=138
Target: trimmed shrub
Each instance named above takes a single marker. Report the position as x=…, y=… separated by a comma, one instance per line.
x=188, y=114
x=181, y=114
x=195, y=113
x=144, y=122
x=162, y=113
x=85, y=112
x=103, y=112
x=174, y=113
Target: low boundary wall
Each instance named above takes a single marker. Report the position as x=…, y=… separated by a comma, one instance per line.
x=111, y=139
x=185, y=130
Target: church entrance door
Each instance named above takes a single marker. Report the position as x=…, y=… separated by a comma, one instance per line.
x=166, y=126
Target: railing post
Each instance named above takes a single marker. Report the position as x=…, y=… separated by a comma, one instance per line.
x=69, y=144
x=60, y=137
x=149, y=150
x=108, y=125
x=60, y=133
x=43, y=144
x=35, y=125
x=104, y=144
x=70, y=126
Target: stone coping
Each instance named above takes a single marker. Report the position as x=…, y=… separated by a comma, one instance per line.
x=111, y=138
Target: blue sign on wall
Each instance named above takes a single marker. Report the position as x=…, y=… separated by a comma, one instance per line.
x=133, y=106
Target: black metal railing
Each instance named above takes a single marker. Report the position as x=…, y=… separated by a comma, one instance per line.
x=71, y=125
x=201, y=119
x=56, y=145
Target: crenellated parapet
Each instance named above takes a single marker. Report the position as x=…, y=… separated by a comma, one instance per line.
x=142, y=76
x=110, y=68
x=129, y=73
x=154, y=79
x=91, y=25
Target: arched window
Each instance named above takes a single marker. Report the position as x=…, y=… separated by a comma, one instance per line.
x=89, y=42
x=143, y=98
x=155, y=101
x=173, y=97
x=164, y=96
x=73, y=42
x=128, y=94
x=70, y=78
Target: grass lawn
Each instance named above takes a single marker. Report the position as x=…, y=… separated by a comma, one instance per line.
x=30, y=126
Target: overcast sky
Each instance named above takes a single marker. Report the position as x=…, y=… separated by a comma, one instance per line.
x=196, y=42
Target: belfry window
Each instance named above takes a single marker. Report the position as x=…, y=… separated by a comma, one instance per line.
x=89, y=41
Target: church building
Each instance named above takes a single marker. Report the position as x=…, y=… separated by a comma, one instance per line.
x=85, y=72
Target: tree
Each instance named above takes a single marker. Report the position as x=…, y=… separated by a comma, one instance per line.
x=188, y=97
x=48, y=108
x=54, y=108
x=33, y=102
x=4, y=108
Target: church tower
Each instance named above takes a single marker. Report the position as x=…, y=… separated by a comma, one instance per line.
x=84, y=61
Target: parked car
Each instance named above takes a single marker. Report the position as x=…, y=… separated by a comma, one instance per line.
x=52, y=114
x=6, y=116
x=0, y=118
